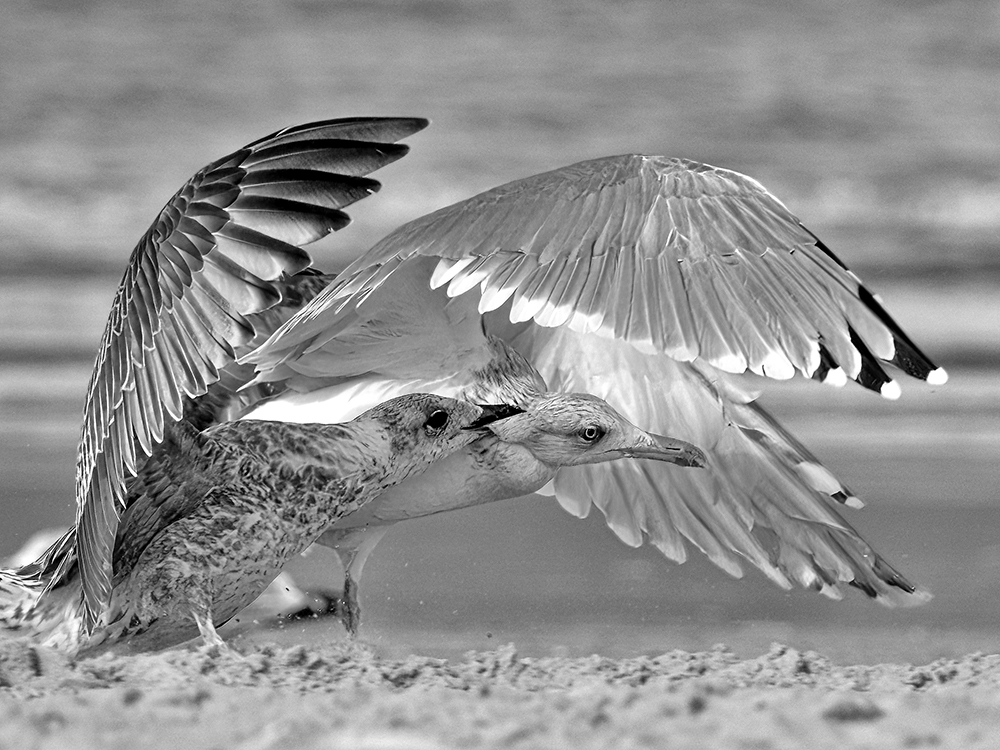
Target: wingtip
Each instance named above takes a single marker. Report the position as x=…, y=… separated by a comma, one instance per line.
x=937, y=376
x=854, y=502
x=836, y=377
x=420, y=123
x=891, y=390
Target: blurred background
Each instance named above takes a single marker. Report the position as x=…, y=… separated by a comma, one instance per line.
x=877, y=122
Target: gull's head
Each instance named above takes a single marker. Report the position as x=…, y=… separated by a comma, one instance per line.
x=423, y=427
x=569, y=429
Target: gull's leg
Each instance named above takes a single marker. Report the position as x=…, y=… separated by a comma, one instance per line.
x=353, y=546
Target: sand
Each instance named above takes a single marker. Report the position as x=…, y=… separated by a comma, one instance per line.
x=346, y=695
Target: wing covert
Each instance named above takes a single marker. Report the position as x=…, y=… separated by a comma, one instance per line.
x=673, y=256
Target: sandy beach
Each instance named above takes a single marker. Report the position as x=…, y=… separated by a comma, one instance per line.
x=348, y=696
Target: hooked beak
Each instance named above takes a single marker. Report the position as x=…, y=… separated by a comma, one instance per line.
x=492, y=413
x=671, y=450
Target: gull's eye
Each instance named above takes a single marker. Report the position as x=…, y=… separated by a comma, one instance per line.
x=591, y=433
x=436, y=422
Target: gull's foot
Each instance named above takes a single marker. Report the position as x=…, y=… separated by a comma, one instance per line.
x=215, y=649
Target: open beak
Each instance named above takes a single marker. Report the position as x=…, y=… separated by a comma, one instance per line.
x=671, y=450
x=492, y=413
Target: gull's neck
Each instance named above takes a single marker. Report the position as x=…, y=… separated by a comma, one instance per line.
x=508, y=378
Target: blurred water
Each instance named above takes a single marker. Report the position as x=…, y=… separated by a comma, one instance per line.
x=849, y=112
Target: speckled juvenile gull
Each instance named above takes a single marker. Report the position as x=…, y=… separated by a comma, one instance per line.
x=218, y=253
x=662, y=285
x=214, y=515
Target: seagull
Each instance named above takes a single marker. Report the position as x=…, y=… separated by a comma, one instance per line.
x=656, y=284
x=222, y=258
x=215, y=514
x=674, y=290
x=218, y=271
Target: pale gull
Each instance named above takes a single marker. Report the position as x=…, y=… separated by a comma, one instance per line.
x=665, y=286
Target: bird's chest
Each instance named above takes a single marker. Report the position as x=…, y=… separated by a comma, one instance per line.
x=486, y=471
x=245, y=531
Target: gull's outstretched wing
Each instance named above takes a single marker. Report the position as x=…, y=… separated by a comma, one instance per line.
x=645, y=280
x=763, y=497
x=206, y=263
x=670, y=255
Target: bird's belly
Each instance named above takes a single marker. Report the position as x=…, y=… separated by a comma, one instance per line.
x=450, y=484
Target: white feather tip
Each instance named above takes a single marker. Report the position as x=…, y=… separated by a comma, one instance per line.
x=937, y=377
x=891, y=390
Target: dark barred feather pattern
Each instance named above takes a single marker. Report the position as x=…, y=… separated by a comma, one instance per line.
x=210, y=260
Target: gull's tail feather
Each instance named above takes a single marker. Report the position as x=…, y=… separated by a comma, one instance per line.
x=44, y=598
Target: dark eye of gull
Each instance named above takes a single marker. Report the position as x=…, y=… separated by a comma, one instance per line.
x=591, y=433
x=436, y=422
